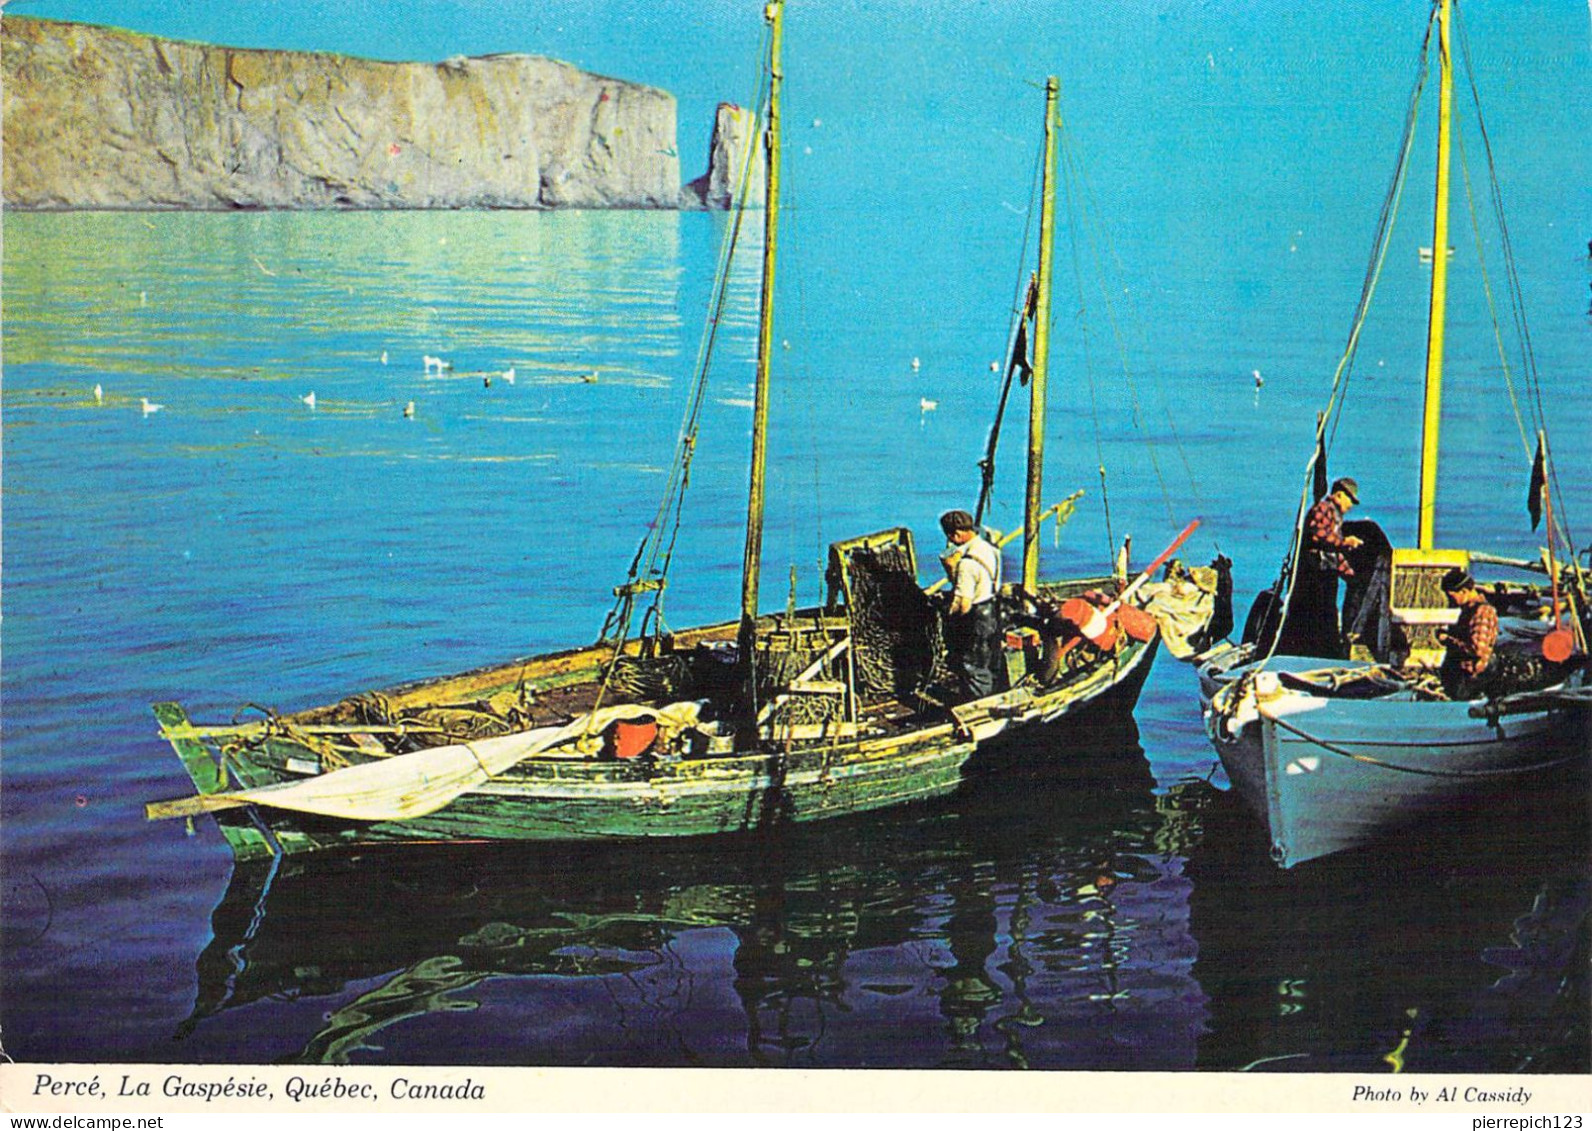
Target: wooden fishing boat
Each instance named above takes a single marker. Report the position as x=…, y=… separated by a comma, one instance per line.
x=801, y=715
x=1343, y=744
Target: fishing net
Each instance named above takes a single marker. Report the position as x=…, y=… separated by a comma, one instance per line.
x=788, y=663
x=896, y=633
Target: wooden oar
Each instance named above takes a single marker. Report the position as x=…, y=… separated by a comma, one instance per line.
x=1151, y=568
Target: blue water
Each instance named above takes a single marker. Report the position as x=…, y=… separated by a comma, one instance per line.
x=238, y=546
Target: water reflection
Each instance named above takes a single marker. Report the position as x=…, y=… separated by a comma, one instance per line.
x=1030, y=921
x=1455, y=949
x=1060, y=914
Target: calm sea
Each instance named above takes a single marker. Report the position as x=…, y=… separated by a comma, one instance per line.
x=1106, y=908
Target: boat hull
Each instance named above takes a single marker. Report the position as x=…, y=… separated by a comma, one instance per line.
x=554, y=799
x=1330, y=774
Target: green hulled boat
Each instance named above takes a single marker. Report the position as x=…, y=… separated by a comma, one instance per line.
x=798, y=716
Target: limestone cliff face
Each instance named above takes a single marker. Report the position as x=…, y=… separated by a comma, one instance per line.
x=100, y=118
x=732, y=132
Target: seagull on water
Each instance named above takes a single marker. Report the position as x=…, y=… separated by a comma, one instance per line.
x=916, y=364
x=926, y=405
x=409, y=411
x=384, y=357
x=309, y=400
x=150, y=408
x=436, y=363
x=508, y=375
x=1259, y=380
x=589, y=378
x=99, y=395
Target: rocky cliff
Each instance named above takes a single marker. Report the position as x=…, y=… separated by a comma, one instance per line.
x=100, y=118
x=731, y=146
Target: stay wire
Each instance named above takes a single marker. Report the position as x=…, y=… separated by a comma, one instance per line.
x=1086, y=205
x=1086, y=342
x=1380, y=247
x=1019, y=315
x=1512, y=275
x=1287, y=579
x=1148, y=439
x=674, y=493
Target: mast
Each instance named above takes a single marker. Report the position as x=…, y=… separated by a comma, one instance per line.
x=1432, y=416
x=752, y=563
x=1036, y=403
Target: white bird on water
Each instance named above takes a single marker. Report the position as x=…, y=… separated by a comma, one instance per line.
x=436, y=363
x=99, y=395
x=926, y=405
x=309, y=400
x=150, y=408
x=589, y=378
x=508, y=375
x=1259, y=380
x=384, y=357
x=409, y=411
x=916, y=364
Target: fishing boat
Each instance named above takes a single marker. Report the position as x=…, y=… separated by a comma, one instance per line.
x=1337, y=733
x=799, y=715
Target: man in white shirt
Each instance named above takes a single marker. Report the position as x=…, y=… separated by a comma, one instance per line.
x=972, y=626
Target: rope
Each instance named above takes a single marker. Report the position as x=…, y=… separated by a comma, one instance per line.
x=1087, y=207
x=1287, y=579
x=1021, y=311
x=1512, y=274
x=673, y=499
x=1368, y=760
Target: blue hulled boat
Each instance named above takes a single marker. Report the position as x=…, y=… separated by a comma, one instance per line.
x=1337, y=736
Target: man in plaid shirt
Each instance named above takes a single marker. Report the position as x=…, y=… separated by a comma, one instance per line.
x=1324, y=540
x=1313, y=628
x=1471, y=641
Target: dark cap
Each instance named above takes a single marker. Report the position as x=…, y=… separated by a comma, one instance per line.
x=1456, y=579
x=952, y=521
x=1349, y=487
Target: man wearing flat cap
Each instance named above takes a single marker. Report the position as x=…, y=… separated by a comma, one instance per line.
x=1471, y=641
x=972, y=626
x=1324, y=561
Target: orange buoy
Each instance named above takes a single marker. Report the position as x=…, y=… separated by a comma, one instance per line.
x=1559, y=645
x=1090, y=622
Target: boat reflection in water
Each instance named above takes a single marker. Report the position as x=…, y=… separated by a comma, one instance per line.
x=1031, y=919
x=1059, y=914
x=1461, y=948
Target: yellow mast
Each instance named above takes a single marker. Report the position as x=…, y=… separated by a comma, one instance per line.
x=1432, y=417
x=751, y=566
x=1036, y=403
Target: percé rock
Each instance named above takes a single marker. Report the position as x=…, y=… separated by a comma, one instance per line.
x=97, y=117
x=733, y=127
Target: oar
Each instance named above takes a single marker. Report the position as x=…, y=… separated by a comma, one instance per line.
x=1151, y=568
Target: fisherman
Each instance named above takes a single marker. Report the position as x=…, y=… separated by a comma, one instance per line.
x=1325, y=560
x=1470, y=642
x=972, y=628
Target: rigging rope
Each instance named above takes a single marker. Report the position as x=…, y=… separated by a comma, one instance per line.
x=661, y=556
x=1331, y=748
x=1512, y=274
x=1288, y=578
x=1022, y=313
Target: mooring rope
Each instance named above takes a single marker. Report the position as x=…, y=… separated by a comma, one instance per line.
x=1380, y=763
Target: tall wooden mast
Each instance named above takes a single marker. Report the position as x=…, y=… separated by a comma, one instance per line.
x=752, y=563
x=1432, y=417
x=1036, y=403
